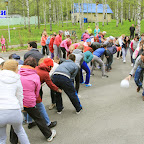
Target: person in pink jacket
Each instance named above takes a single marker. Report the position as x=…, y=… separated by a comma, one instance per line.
x=65, y=44
x=2, y=40
x=31, y=86
x=56, y=45
x=86, y=36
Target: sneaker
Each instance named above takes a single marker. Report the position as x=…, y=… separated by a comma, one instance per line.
x=30, y=125
x=53, y=124
x=92, y=74
x=124, y=61
x=105, y=76
x=59, y=112
x=88, y=85
x=82, y=82
x=78, y=112
x=132, y=65
x=138, y=89
x=52, y=106
x=117, y=57
x=52, y=136
x=79, y=96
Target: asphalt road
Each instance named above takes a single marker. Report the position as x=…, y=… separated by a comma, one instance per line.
x=111, y=115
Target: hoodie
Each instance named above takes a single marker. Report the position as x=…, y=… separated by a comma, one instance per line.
x=11, y=91
x=31, y=85
x=79, y=57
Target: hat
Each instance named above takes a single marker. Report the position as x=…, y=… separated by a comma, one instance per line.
x=111, y=38
x=1, y=61
x=48, y=62
x=104, y=32
x=88, y=40
x=60, y=31
x=15, y=56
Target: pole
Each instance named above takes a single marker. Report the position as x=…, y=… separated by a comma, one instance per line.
x=8, y=24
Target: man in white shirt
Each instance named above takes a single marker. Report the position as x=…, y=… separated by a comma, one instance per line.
x=67, y=33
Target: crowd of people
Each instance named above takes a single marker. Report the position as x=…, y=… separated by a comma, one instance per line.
x=21, y=82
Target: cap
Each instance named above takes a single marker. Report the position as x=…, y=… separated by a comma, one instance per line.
x=48, y=62
x=15, y=56
x=111, y=38
x=104, y=32
x=60, y=31
x=88, y=40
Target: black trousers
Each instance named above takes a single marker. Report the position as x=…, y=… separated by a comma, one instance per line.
x=131, y=35
x=13, y=136
x=53, y=97
x=64, y=51
x=40, y=121
x=45, y=50
x=119, y=53
x=77, y=81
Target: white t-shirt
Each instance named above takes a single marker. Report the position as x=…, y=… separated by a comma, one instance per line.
x=67, y=33
x=53, y=69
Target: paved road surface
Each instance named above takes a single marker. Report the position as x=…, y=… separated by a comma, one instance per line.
x=111, y=115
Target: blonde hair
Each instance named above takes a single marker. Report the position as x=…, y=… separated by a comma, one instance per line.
x=71, y=48
x=10, y=65
x=81, y=47
x=41, y=61
x=56, y=58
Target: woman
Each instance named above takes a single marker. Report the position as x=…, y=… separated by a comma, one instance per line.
x=2, y=40
x=11, y=102
x=65, y=44
x=43, y=43
x=96, y=31
x=125, y=47
x=31, y=87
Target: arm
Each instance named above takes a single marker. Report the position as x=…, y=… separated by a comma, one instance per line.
x=131, y=45
x=19, y=93
x=38, y=85
x=75, y=72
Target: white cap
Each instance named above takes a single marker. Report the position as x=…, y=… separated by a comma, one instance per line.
x=111, y=38
x=1, y=61
x=104, y=32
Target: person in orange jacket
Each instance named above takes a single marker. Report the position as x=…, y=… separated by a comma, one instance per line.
x=43, y=43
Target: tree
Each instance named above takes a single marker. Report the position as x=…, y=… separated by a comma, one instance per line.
x=96, y=22
x=103, y=12
x=38, y=14
x=27, y=4
x=50, y=15
x=44, y=12
x=121, y=12
x=139, y=16
x=117, y=17
x=106, y=12
x=24, y=14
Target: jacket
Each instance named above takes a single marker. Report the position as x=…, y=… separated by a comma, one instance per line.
x=135, y=53
x=95, y=45
x=96, y=32
x=88, y=56
x=48, y=40
x=99, y=52
x=2, y=41
x=89, y=30
x=33, y=53
x=133, y=45
x=31, y=85
x=11, y=90
x=65, y=44
x=79, y=57
x=68, y=69
x=85, y=36
x=43, y=40
x=51, y=45
x=58, y=40
x=138, y=62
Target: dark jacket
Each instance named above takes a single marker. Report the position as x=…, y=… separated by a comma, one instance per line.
x=95, y=45
x=33, y=53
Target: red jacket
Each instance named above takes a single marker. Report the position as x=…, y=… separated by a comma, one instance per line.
x=58, y=40
x=51, y=45
x=43, y=72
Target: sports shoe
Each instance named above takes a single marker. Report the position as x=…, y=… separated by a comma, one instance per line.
x=30, y=125
x=88, y=85
x=78, y=112
x=52, y=106
x=59, y=112
x=52, y=136
x=124, y=61
x=53, y=124
x=138, y=89
x=79, y=96
x=105, y=76
x=82, y=82
x=117, y=57
x=132, y=65
x=91, y=74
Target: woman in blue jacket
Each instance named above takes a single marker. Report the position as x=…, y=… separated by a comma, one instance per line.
x=88, y=56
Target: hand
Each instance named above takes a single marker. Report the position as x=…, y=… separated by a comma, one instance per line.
x=59, y=90
x=128, y=78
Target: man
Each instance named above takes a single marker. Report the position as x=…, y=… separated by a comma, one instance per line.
x=132, y=29
x=33, y=52
x=62, y=78
x=138, y=70
x=67, y=33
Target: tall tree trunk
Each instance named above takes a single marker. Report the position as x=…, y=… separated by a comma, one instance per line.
x=54, y=13
x=91, y=14
x=117, y=17
x=38, y=14
x=61, y=12
x=133, y=14
x=129, y=11
x=73, y=12
x=136, y=15
x=44, y=11
x=96, y=22
x=57, y=16
x=139, y=16
x=27, y=4
x=87, y=10
x=35, y=12
x=50, y=15
x=24, y=14
x=106, y=12
x=80, y=15
x=103, y=12
x=66, y=12
x=121, y=12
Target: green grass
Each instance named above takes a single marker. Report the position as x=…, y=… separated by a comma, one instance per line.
x=22, y=36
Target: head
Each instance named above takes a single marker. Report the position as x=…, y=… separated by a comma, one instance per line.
x=141, y=44
x=14, y=56
x=142, y=57
x=88, y=42
x=100, y=33
x=54, y=35
x=136, y=38
x=60, y=32
x=123, y=36
x=81, y=47
x=86, y=31
x=41, y=61
x=95, y=39
x=30, y=61
x=126, y=39
x=32, y=45
x=71, y=48
x=48, y=62
x=97, y=27
x=72, y=57
x=11, y=65
x=1, y=62
x=142, y=36
x=2, y=37
x=104, y=46
x=111, y=38
x=88, y=27
x=44, y=33
x=132, y=25
x=56, y=59
x=68, y=39
x=104, y=33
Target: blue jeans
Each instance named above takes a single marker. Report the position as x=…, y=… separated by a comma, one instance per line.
x=139, y=77
x=27, y=118
x=85, y=67
x=124, y=53
x=43, y=112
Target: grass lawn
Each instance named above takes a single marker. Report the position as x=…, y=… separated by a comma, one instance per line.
x=22, y=36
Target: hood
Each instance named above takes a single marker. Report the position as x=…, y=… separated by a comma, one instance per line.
x=77, y=51
x=9, y=77
x=27, y=71
x=42, y=66
x=34, y=49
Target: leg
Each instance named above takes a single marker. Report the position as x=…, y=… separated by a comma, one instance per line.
x=43, y=112
x=3, y=134
x=13, y=136
x=64, y=52
x=4, y=48
x=131, y=53
x=124, y=54
x=53, y=96
x=59, y=52
x=81, y=75
x=43, y=50
x=77, y=81
x=55, y=50
x=47, y=50
x=118, y=54
x=35, y=114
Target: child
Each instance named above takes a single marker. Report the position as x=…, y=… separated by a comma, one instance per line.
x=2, y=40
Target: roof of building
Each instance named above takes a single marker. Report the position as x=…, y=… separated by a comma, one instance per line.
x=91, y=8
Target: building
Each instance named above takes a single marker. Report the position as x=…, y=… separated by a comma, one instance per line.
x=89, y=11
